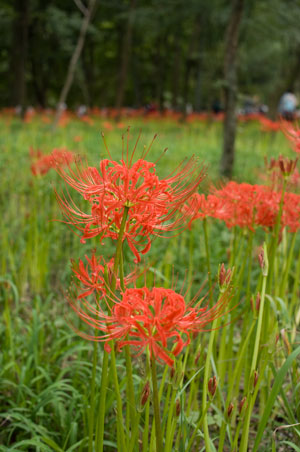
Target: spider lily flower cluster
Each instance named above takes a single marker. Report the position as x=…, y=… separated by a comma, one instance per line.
x=157, y=319
x=154, y=205
x=126, y=201
x=247, y=206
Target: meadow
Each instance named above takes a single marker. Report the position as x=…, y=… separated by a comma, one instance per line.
x=234, y=385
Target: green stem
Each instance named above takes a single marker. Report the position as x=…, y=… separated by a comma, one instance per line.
x=131, y=407
x=121, y=434
x=295, y=297
x=250, y=248
x=119, y=250
x=158, y=432
x=234, y=383
x=93, y=399
x=204, y=222
x=101, y=409
x=146, y=427
x=246, y=423
x=274, y=240
x=205, y=385
x=288, y=266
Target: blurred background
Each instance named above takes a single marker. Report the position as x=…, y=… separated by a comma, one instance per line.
x=137, y=53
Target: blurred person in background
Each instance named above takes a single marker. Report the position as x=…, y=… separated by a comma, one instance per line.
x=288, y=105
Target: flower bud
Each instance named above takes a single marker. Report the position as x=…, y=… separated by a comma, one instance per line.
x=172, y=372
x=287, y=166
x=197, y=357
x=145, y=393
x=212, y=386
x=230, y=409
x=263, y=260
x=243, y=406
x=285, y=341
x=257, y=302
x=255, y=378
x=224, y=277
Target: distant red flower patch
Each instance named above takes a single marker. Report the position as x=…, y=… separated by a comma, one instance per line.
x=42, y=163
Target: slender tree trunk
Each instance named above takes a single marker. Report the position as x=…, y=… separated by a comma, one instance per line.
x=136, y=81
x=230, y=91
x=198, y=86
x=19, y=54
x=88, y=65
x=176, y=72
x=88, y=11
x=126, y=50
x=190, y=64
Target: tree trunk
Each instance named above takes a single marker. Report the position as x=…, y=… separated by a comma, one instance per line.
x=190, y=64
x=126, y=49
x=19, y=54
x=230, y=90
x=88, y=11
x=176, y=72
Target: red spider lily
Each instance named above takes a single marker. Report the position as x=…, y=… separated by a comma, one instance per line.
x=91, y=277
x=200, y=206
x=292, y=132
x=42, y=163
x=291, y=212
x=244, y=203
x=154, y=204
x=154, y=318
x=247, y=206
x=267, y=125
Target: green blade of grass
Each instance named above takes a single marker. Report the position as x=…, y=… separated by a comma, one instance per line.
x=274, y=392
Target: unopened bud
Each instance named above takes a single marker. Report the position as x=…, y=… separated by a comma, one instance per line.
x=177, y=409
x=225, y=277
x=172, y=373
x=255, y=378
x=242, y=405
x=229, y=409
x=197, y=357
x=257, y=302
x=263, y=260
x=145, y=393
x=287, y=166
x=212, y=386
x=285, y=340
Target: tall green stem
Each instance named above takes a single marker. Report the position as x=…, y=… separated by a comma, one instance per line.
x=158, y=432
x=119, y=250
x=274, y=240
x=205, y=384
x=204, y=222
x=101, y=409
x=93, y=399
x=121, y=434
x=245, y=433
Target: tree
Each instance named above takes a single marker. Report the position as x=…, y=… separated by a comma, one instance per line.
x=230, y=88
x=87, y=14
x=19, y=53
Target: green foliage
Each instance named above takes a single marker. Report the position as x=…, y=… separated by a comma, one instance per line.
x=46, y=369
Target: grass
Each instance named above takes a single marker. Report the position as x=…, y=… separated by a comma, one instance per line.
x=46, y=369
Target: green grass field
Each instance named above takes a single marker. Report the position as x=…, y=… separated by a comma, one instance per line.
x=50, y=377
